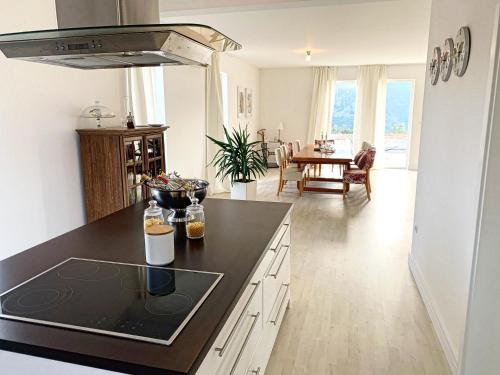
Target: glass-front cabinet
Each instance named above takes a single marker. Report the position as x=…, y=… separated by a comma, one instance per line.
x=134, y=164
x=142, y=155
x=113, y=161
x=155, y=154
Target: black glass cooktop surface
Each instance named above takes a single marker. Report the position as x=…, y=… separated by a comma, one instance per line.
x=132, y=301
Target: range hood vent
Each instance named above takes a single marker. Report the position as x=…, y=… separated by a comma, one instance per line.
x=100, y=34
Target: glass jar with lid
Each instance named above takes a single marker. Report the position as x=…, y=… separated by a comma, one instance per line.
x=153, y=215
x=195, y=225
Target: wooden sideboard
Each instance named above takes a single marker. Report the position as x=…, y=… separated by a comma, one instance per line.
x=113, y=160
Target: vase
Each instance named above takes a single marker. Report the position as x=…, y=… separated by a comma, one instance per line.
x=244, y=190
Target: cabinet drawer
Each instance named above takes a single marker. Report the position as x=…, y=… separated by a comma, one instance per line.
x=239, y=356
x=282, y=236
x=237, y=339
x=277, y=274
x=270, y=332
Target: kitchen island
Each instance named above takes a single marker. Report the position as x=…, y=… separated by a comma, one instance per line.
x=232, y=332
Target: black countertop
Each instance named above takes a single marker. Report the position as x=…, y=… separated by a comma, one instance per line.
x=237, y=233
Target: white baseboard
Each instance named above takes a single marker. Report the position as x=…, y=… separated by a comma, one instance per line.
x=436, y=319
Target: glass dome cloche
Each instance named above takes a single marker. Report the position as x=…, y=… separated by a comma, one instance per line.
x=98, y=112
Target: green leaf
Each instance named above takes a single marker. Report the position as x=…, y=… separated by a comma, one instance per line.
x=237, y=158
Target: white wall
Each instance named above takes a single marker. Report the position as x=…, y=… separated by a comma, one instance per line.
x=286, y=96
x=242, y=74
x=41, y=193
x=185, y=111
x=451, y=156
x=482, y=340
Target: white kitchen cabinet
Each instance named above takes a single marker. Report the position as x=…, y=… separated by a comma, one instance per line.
x=245, y=343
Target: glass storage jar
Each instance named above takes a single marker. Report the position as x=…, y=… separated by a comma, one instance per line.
x=195, y=226
x=153, y=215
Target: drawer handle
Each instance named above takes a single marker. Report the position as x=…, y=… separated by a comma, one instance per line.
x=275, y=320
x=222, y=349
x=285, y=226
x=281, y=263
x=255, y=318
x=256, y=372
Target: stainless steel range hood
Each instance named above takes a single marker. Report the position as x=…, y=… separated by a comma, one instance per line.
x=99, y=34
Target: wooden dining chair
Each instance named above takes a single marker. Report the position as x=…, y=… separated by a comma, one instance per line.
x=295, y=147
x=290, y=173
x=361, y=175
x=284, y=154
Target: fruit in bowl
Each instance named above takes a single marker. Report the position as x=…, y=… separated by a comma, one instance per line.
x=174, y=193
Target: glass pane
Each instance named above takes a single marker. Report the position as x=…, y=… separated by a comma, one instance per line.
x=155, y=167
x=397, y=120
x=135, y=194
x=138, y=174
x=138, y=191
x=157, y=143
x=129, y=152
x=344, y=108
x=158, y=167
x=151, y=148
x=130, y=176
x=137, y=150
x=131, y=196
x=154, y=147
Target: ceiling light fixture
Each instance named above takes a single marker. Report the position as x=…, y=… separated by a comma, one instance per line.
x=308, y=55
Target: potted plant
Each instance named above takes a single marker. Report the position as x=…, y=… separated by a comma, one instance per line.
x=238, y=159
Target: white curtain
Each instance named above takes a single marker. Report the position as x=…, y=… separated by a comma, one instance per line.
x=369, y=119
x=214, y=122
x=146, y=95
x=322, y=100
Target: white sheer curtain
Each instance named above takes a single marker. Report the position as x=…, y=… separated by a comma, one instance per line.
x=370, y=108
x=322, y=99
x=145, y=90
x=214, y=122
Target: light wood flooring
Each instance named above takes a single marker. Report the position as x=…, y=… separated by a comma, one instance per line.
x=355, y=307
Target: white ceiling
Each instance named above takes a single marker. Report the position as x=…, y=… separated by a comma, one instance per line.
x=276, y=33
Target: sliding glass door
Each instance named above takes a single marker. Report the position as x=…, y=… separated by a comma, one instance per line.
x=398, y=114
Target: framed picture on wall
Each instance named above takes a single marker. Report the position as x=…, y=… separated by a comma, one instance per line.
x=249, y=102
x=241, y=102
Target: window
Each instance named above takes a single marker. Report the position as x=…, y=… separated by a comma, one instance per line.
x=344, y=108
x=397, y=122
x=225, y=106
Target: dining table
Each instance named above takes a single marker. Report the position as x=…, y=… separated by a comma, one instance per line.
x=309, y=154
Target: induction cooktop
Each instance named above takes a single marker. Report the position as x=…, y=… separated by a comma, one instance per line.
x=133, y=301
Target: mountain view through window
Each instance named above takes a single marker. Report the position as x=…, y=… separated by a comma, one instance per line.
x=344, y=108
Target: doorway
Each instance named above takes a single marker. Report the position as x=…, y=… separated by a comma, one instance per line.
x=398, y=114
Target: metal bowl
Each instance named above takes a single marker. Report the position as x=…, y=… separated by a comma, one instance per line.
x=177, y=200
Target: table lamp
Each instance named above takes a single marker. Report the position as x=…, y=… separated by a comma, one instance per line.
x=98, y=112
x=280, y=128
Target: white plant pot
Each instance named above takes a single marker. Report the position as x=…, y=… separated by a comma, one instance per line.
x=244, y=191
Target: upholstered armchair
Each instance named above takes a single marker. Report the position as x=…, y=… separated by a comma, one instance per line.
x=362, y=175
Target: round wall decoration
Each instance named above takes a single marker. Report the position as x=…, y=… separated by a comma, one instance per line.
x=447, y=59
x=462, y=51
x=435, y=65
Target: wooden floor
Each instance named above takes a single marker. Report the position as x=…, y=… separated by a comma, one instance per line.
x=355, y=307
